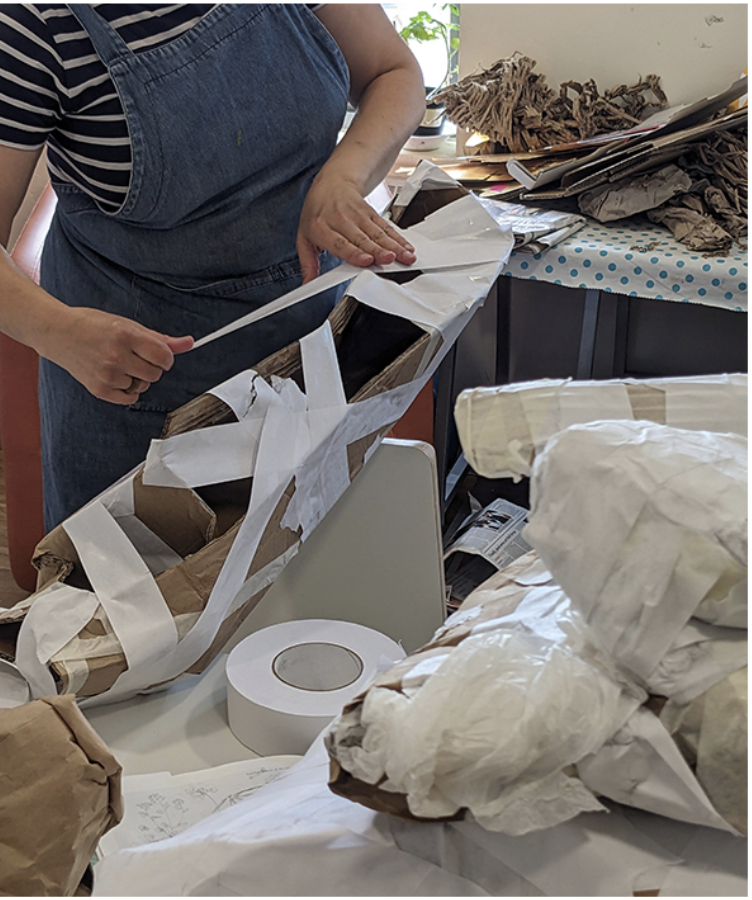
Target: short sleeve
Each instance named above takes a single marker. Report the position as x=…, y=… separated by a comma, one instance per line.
x=31, y=78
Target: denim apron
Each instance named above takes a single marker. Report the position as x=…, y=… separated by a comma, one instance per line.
x=229, y=123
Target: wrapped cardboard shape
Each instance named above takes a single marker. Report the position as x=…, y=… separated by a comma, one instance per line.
x=150, y=579
x=502, y=429
x=489, y=717
x=506, y=739
x=644, y=526
x=61, y=793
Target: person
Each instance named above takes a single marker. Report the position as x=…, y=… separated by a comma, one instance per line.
x=193, y=150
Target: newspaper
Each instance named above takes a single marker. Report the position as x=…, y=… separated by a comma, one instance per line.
x=534, y=229
x=488, y=541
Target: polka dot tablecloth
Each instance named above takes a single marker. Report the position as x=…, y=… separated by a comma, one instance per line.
x=639, y=261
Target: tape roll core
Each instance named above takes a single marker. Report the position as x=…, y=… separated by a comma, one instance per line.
x=318, y=666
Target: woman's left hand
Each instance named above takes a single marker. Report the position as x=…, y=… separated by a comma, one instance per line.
x=336, y=218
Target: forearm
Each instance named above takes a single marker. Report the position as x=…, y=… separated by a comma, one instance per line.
x=388, y=113
x=28, y=313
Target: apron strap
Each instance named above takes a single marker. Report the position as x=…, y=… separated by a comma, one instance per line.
x=107, y=42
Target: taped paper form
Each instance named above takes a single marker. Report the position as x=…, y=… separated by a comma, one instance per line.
x=174, y=556
x=637, y=586
x=501, y=429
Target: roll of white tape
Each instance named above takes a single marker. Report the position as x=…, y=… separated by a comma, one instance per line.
x=287, y=681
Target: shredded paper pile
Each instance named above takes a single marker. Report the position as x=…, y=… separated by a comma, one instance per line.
x=515, y=107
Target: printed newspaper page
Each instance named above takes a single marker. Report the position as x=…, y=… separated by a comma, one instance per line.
x=488, y=541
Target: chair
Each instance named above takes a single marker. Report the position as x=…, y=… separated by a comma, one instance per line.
x=19, y=414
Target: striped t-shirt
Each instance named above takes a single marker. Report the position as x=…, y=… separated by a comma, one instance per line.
x=55, y=89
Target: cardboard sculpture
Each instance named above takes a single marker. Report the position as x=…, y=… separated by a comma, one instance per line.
x=61, y=793
x=150, y=579
x=609, y=662
x=503, y=428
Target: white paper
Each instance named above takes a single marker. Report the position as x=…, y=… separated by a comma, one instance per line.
x=638, y=522
x=291, y=838
x=641, y=766
x=162, y=805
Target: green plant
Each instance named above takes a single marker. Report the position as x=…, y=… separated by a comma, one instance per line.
x=425, y=27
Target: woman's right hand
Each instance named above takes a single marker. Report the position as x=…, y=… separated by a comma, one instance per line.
x=114, y=358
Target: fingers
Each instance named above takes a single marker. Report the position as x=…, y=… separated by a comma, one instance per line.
x=371, y=241
x=336, y=218
x=114, y=358
x=309, y=259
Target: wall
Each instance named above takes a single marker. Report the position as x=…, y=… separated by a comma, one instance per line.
x=697, y=49
x=38, y=181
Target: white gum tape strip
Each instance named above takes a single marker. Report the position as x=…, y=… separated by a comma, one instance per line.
x=330, y=279
x=181, y=461
x=327, y=407
x=462, y=233
x=52, y=620
x=124, y=585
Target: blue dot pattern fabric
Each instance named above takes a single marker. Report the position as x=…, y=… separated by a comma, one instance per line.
x=641, y=260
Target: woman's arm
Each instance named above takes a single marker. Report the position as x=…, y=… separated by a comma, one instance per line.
x=102, y=351
x=386, y=87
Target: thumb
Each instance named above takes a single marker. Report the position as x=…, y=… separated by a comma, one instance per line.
x=309, y=260
x=178, y=344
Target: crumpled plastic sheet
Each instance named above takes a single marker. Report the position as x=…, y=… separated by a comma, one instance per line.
x=643, y=526
x=491, y=724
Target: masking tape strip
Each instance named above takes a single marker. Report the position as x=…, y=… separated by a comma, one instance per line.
x=124, y=585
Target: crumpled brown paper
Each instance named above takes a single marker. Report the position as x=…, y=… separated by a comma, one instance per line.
x=59, y=793
x=609, y=202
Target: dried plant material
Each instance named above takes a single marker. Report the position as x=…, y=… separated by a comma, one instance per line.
x=515, y=107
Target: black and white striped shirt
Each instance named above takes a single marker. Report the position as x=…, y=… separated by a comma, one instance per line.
x=55, y=89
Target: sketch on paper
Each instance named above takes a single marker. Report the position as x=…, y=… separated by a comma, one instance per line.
x=161, y=805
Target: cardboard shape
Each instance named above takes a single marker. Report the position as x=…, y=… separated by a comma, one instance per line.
x=149, y=580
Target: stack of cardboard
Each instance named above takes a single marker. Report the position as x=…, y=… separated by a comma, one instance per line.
x=625, y=154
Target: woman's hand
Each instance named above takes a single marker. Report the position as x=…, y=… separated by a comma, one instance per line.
x=386, y=88
x=336, y=218
x=114, y=358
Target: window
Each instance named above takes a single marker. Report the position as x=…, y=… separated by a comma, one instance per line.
x=431, y=54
